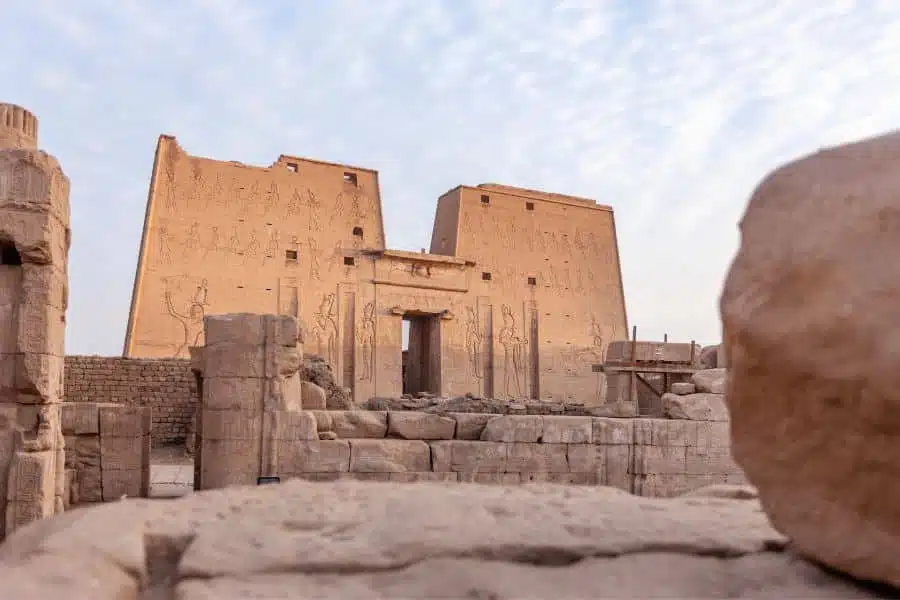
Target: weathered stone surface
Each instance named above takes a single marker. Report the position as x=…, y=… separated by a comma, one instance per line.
x=355, y=424
x=313, y=396
x=567, y=430
x=683, y=388
x=316, y=370
x=469, y=426
x=389, y=456
x=420, y=541
x=710, y=381
x=809, y=319
x=513, y=428
x=420, y=426
x=695, y=407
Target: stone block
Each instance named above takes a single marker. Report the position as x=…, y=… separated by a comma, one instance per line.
x=312, y=396
x=410, y=477
x=470, y=425
x=83, y=451
x=567, y=430
x=234, y=360
x=231, y=424
x=68, y=489
x=315, y=457
x=668, y=485
x=683, y=388
x=585, y=458
x=120, y=453
x=712, y=434
x=121, y=482
x=410, y=425
x=42, y=329
x=233, y=393
x=660, y=460
x=243, y=329
x=484, y=477
x=31, y=492
x=699, y=461
x=613, y=431
x=236, y=462
x=38, y=378
x=695, y=407
x=710, y=381
x=467, y=456
x=589, y=478
x=513, y=428
x=282, y=330
x=367, y=476
x=294, y=426
x=665, y=432
x=389, y=456
x=357, y=424
x=524, y=458
x=90, y=484
x=124, y=421
x=82, y=418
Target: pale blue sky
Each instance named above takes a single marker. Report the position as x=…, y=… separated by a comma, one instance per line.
x=670, y=110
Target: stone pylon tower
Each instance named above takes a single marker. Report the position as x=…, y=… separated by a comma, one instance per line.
x=34, y=248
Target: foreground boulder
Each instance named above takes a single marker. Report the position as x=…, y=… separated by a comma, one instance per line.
x=378, y=540
x=810, y=316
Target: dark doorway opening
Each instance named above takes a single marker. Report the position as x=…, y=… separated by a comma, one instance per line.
x=421, y=353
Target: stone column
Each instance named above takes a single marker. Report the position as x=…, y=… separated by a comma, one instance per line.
x=34, y=248
x=251, y=402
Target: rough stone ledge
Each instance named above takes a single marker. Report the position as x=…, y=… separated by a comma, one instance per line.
x=352, y=539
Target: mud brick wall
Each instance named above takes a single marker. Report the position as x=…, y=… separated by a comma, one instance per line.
x=107, y=451
x=167, y=386
x=648, y=457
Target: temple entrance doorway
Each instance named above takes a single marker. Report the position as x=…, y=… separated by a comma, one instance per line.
x=421, y=353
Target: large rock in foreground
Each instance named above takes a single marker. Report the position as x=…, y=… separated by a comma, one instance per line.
x=378, y=540
x=810, y=314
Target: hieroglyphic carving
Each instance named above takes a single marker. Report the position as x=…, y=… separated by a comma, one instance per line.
x=252, y=245
x=216, y=192
x=213, y=244
x=272, y=198
x=169, y=166
x=315, y=259
x=189, y=314
x=294, y=203
x=474, y=341
x=198, y=196
x=272, y=247
x=325, y=327
x=366, y=339
x=514, y=346
x=234, y=243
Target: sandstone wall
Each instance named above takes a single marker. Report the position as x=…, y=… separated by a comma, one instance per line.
x=107, y=451
x=648, y=457
x=167, y=386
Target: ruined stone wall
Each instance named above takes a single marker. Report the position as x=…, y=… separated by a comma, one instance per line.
x=107, y=452
x=546, y=294
x=647, y=457
x=166, y=386
x=222, y=237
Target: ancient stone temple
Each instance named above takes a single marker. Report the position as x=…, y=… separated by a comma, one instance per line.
x=34, y=247
x=518, y=297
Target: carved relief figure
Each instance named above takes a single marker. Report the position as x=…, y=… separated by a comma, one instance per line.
x=272, y=247
x=366, y=337
x=164, y=240
x=216, y=192
x=294, y=204
x=474, y=341
x=234, y=243
x=325, y=327
x=513, y=354
x=213, y=244
x=171, y=190
x=420, y=270
x=315, y=210
x=198, y=186
x=190, y=318
x=315, y=259
x=192, y=239
x=252, y=245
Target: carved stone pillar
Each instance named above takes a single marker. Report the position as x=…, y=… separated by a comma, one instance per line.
x=250, y=412
x=34, y=248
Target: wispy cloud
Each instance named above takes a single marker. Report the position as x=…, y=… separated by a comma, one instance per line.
x=670, y=110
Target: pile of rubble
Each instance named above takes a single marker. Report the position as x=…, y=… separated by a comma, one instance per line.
x=470, y=403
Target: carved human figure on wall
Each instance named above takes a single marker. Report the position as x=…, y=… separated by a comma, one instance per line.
x=164, y=240
x=252, y=245
x=294, y=204
x=366, y=337
x=315, y=211
x=513, y=354
x=272, y=198
x=325, y=327
x=272, y=246
x=192, y=239
x=213, y=243
x=191, y=319
x=474, y=341
x=315, y=259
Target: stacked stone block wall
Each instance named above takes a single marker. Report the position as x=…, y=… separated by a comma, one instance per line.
x=166, y=386
x=107, y=451
x=648, y=457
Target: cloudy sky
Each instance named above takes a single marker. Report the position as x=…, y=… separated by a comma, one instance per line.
x=670, y=110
